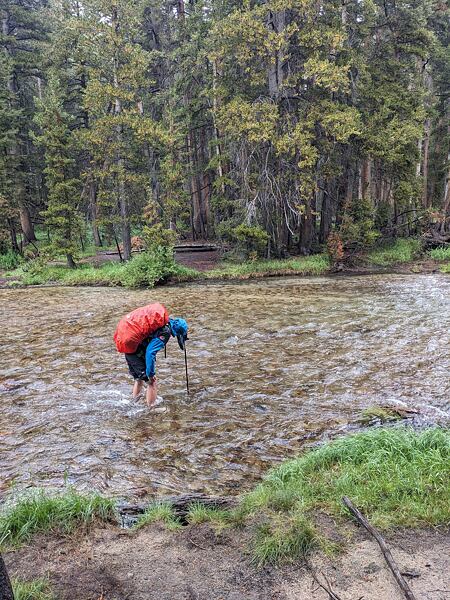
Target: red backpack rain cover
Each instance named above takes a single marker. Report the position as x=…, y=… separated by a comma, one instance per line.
x=134, y=327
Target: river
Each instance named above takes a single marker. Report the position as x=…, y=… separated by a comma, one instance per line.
x=275, y=365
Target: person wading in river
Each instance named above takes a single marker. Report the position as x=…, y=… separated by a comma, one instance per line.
x=140, y=335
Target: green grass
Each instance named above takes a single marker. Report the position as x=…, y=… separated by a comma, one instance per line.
x=10, y=260
x=441, y=253
x=38, y=589
x=397, y=477
x=284, y=539
x=307, y=265
x=40, y=512
x=401, y=251
x=159, y=512
x=445, y=268
x=198, y=513
x=139, y=272
x=142, y=271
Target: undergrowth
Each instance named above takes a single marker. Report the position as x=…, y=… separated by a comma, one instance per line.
x=145, y=270
x=441, y=253
x=401, y=251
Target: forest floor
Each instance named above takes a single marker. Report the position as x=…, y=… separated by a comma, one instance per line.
x=199, y=563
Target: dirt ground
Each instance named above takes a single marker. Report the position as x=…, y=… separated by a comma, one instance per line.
x=200, y=564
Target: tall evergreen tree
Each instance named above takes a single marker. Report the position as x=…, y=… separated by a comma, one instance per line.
x=61, y=216
x=20, y=45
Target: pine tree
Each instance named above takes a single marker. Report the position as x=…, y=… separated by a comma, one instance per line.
x=119, y=125
x=20, y=44
x=61, y=216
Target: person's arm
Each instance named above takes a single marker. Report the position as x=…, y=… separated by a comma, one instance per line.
x=153, y=348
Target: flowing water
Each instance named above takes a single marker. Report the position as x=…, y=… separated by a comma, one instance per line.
x=274, y=365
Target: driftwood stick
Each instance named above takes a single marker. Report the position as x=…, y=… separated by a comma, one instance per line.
x=384, y=549
x=327, y=588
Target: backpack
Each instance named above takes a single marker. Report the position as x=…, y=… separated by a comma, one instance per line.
x=137, y=325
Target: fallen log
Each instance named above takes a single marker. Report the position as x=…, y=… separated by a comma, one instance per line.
x=384, y=549
x=180, y=504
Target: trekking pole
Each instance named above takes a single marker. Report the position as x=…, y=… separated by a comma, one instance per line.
x=186, y=368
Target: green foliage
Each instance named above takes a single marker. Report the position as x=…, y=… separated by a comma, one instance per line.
x=441, y=253
x=158, y=236
x=37, y=589
x=357, y=230
x=401, y=251
x=159, y=512
x=123, y=114
x=445, y=268
x=380, y=413
x=252, y=239
x=64, y=186
x=10, y=260
x=149, y=268
x=41, y=512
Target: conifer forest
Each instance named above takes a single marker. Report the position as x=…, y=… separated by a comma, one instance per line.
x=283, y=125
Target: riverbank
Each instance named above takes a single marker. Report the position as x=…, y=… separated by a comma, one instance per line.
x=290, y=526
x=404, y=256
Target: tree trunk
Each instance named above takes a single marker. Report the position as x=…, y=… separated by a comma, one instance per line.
x=276, y=22
x=26, y=224
x=216, y=130
x=325, y=217
x=93, y=213
x=306, y=230
x=13, y=236
x=365, y=179
x=426, y=151
x=121, y=191
x=70, y=262
x=446, y=198
x=6, y=592
x=14, y=151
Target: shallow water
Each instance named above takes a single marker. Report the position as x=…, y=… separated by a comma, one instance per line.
x=274, y=365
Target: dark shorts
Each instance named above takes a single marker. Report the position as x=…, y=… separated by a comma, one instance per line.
x=136, y=361
x=136, y=366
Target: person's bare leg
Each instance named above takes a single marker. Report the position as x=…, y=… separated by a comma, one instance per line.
x=137, y=387
x=151, y=393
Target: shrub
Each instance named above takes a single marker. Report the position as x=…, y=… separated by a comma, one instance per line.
x=441, y=253
x=253, y=240
x=151, y=267
x=10, y=260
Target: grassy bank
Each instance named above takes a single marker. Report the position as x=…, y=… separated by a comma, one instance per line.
x=317, y=264
x=142, y=271
x=148, y=270
x=396, y=476
x=39, y=512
